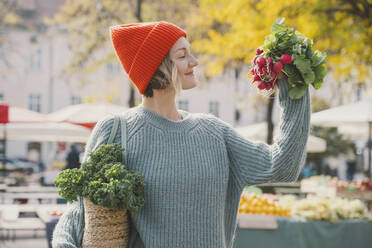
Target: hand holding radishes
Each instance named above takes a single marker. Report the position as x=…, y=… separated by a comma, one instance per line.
x=286, y=51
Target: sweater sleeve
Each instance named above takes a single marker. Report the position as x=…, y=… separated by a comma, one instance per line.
x=257, y=162
x=68, y=232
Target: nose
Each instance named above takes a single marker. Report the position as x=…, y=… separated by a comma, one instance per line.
x=194, y=61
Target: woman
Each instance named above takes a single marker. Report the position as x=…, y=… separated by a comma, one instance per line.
x=195, y=166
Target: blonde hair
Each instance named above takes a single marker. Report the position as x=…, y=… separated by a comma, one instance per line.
x=165, y=78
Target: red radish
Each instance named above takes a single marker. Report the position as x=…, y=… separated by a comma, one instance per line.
x=256, y=78
x=286, y=59
x=255, y=59
x=264, y=69
x=261, y=85
x=268, y=86
x=269, y=60
x=261, y=61
x=252, y=71
x=278, y=66
x=273, y=74
x=259, y=51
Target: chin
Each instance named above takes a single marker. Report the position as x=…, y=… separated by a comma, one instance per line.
x=189, y=85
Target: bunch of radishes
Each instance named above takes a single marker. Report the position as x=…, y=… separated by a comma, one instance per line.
x=265, y=70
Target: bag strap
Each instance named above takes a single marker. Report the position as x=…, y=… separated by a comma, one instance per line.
x=113, y=130
x=120, y=119
x=123, y=125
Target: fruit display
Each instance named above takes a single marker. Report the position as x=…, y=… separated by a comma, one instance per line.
x=359, y=186
x=367, y=184
x=313, y=183
x=330, y=209
x=320, y=180
x=251, y=203
x=287, y=201
x=328, y=199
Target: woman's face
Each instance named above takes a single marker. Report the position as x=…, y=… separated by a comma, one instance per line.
x=185, y=62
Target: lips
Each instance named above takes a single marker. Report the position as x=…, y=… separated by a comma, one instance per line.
x=189, y=73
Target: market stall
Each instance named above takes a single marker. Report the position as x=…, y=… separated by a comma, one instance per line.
x=307, y=234
x=322, y=215
x=354, y=120
x=85, y=114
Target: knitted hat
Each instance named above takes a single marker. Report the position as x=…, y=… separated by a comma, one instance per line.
x=141, y=48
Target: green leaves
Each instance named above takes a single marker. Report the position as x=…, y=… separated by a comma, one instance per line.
x=280, y=21
x=105, y=180
x=70, y=184
x=307, y=67
x=294, y=77
x=317, y=58
x=320, y=72
x=297, y=92
x=304, y=66
x=278, y=25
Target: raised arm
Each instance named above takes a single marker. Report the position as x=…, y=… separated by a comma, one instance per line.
x=68, y=232
x=257, y=162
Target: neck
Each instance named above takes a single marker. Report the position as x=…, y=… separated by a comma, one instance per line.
x=163, y=103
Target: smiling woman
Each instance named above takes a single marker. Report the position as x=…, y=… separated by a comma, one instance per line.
x=185, y=62
x=195, y=166
x=175, y=71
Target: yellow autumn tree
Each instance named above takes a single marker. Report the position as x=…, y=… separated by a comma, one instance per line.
x=8, y=17
x=227, y=32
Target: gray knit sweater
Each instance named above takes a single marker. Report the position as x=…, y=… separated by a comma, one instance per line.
x=195, y=170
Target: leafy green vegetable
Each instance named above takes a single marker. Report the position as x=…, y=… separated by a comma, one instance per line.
x=304, y=66
x=294, y=77
x=105, y=180
x=308, y=66
x=317, y=58
x=297, y=92
x=278, y=25
x=320, y=72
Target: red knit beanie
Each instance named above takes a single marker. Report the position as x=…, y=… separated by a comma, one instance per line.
x=141, y=48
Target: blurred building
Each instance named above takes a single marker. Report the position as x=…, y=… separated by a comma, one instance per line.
x=32, y=76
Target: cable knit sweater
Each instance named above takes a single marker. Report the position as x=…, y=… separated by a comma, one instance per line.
x=195, y=171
